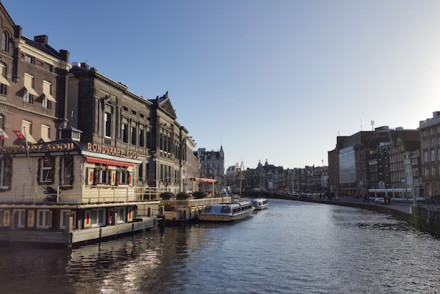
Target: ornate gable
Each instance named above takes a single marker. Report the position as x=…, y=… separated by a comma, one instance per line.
x=166, y=106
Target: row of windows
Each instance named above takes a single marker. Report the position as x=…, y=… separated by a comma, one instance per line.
x=432, y=142
x=431, y=131
x=103, y=175
x=45, y=173
x=431, y=171
x=138, y=136
x=430, y=156
x=42, y=219
x=29, y=94
x=168, y=175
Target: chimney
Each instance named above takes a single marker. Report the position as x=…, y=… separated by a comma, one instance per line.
x=84, y=65
x=42, y=39
x=64, y=55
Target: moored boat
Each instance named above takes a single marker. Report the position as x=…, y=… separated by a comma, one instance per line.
x=260, y=203
x=225, y=212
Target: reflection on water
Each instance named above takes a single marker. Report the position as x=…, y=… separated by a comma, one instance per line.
x=289, y=248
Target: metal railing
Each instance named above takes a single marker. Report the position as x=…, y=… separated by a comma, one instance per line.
x=27, y=193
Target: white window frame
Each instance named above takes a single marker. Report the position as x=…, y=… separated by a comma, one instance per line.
x=103, y=176
x=43, y=223
x=63, y=214
x=21, y=218
x=44, y=169
x=46, y=103
x=27, y=96
x=121, y=211
x=98, y=217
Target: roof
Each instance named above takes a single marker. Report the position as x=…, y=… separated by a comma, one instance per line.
x=46, y=48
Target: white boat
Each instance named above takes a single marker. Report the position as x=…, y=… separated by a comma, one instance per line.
x=259, y=203
x=226, y=212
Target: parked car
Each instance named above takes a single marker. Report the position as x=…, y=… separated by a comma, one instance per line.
x=379, y=200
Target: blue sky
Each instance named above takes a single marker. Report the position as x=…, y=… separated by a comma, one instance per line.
x=275, y=80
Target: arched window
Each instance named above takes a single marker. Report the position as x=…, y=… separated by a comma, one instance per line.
x=4, y=41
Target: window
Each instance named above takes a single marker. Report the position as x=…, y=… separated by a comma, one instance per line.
x=47, y=92
x=66, y=171
x=27, y=97
x=29, y=88
x=124, y=177
x=45, y=133
x=121, y=215
x=108, y=124
x=26, y=129
x=20, y=217
x=29, y=59
x=46, y=103
x=432, y=155
x=4, y=41
x=141, y=171
x=46, y=170
x=63, y=215
x=141, y=138
x=5, y=173
x=3, y=79
x=103, y=175
x=98, y=219
x=44, y=218
x=133, y=135
x=124, y=133
x=1, y=218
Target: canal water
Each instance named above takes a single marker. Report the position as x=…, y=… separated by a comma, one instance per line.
x=292, y=247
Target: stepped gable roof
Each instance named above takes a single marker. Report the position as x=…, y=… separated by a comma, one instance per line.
x=46, y=48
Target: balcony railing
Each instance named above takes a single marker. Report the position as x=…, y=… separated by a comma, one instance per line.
x=27, y=194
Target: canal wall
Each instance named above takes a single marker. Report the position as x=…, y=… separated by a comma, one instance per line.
x=423, y=217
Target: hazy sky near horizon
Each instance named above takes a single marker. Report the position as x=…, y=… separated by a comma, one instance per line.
x=275, y=80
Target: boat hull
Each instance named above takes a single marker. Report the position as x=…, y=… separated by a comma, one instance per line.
x=224, y=218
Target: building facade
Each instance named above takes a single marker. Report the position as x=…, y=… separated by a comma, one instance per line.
x=430, y=155
x=32, y=86
x=212, y=165
x=371, y=160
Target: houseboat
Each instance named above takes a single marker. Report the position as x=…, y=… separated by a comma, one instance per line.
x=226, y=212
x=259, y=203
x=68, y=192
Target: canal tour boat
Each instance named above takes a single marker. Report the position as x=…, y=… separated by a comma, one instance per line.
x=226, y=212
x=260, y=203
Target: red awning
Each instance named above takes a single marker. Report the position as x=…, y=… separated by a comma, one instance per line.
x=109, y=162
x=203, y=180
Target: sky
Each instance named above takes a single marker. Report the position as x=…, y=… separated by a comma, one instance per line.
x=274, y=80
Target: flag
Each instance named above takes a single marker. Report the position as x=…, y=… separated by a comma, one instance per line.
x=19, y=134
x=2, y=134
